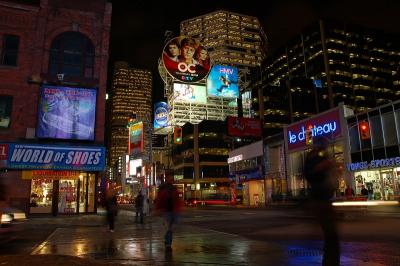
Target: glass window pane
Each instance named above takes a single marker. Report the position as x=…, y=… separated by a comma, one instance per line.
x=10, y=50
x=91, y=192
x=5, y=111
x=41, y=195
x=354, y=138
x=375, y=126
x=67, y=196
x=82, y=192
x=389, y=130
x=397, y=115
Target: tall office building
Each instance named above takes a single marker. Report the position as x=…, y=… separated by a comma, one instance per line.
x=230, y=38
x=328, y=63
x=131, y=94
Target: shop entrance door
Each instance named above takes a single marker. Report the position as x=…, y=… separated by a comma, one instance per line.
x=67, y=196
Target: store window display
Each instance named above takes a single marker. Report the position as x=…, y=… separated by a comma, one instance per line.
x=41, y=195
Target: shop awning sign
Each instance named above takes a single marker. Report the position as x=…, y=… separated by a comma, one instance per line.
x=37, y=156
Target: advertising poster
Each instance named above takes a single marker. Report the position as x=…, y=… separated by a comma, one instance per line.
x=136, y=138
x=66, y=113
x=244, y=127
x=223, y=82
x=185, y=59
x=190, y=93
x=160, y=115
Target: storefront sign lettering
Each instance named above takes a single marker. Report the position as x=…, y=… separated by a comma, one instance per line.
x=380, y=163
x=300, y=134
x=316, y=130
x=21, y=156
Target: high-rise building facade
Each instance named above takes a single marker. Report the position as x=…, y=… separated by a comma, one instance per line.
x=131, y=95
x=230, y=38
x=328, y=63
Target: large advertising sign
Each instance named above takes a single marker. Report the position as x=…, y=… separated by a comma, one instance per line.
x=160, y=115
x=190, y=93
x=326, y=125
x=223, y=82
x=185, y=59
x=36, y=156
x=244, y=127
x=66, y=113
x=136, y=138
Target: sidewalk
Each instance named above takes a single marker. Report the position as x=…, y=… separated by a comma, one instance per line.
x=84, y=240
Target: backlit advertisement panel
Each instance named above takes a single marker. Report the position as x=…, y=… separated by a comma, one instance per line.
x=135, y=138
x=190, y=93
x=66, y=113
x=244, y=127
x=185, y=59
x=223, y=82
x=160, y=115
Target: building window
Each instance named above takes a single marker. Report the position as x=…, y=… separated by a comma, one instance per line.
x=72, y=54
x=9, y=50
x=5, y=111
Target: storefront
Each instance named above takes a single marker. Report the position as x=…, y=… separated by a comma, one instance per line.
x=246, y=172
x=63, y=179
x=374, y=138
x=299, y=136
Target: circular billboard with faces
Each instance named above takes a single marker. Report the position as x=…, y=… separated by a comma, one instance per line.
x=185, y=59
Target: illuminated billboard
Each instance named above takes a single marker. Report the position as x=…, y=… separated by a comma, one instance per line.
x=135, y=138
x=189, y=93
x=66, y=113
x=244, y=127
x=160, y=115
x=185, y=59
x=223, y=82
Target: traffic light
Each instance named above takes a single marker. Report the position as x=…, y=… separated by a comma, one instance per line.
x=309, y=139
x=364, y=130
x=177, y=135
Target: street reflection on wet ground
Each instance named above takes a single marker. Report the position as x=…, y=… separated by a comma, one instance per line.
x=136, y=244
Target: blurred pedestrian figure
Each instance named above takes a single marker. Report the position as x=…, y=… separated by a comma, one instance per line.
x=349, y=192
x=139, y=208
x=321, y=172
x=370, y=191
x=364, y=191
x=169, y=205
x=111, y=207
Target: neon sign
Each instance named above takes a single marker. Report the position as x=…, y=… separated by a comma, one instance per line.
x=301, y=134
x=316, y=130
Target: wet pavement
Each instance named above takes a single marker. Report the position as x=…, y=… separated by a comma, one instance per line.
x=85, y=240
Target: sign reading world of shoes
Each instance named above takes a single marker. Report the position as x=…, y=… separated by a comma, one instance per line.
x=54, y=157
x=302, y=133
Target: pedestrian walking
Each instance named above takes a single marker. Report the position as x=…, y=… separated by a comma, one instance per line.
x=169, y=205
x=321, y=172
x=111, y=207
x=139, y=208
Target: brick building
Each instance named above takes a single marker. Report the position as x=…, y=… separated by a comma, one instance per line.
x=53, y=71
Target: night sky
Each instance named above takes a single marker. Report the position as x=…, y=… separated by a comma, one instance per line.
x=138, y=26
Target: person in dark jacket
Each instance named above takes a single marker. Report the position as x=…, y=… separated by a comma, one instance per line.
x=139, y=207
x=111, y=207
x=168, y=204
x=321, y=173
